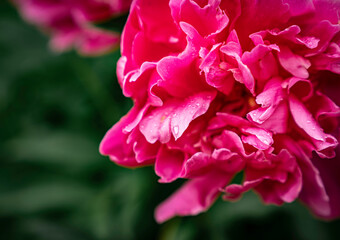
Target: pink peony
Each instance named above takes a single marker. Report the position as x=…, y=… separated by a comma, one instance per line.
x=71, y=22
x=222, y=87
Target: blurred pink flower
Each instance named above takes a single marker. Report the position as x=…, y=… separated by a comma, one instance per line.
x=222, y=87
x=71, y=22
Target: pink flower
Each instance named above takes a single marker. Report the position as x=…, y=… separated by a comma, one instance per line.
x=222, y=87
x=71, y=22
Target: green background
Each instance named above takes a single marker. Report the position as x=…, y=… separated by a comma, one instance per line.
x=54, y=185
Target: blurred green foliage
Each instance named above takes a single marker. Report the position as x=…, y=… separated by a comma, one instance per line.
x=54, y=185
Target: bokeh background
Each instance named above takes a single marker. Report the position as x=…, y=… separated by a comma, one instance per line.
x=54, y=185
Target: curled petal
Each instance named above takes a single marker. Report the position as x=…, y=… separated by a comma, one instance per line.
x=174, y=117
x=324, y=143
x=313, y=192
x=295, y=64
x=114, y=144
x=169, y=164
x=193, y=198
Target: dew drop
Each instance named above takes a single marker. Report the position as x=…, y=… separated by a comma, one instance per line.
x=176, y=130
x=173, y=39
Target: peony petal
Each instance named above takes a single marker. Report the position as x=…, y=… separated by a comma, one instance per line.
x=71, y=24
x=328, y=60
x=179, y=74
x=193, y=198
x=230, y=140
x=114, y=144
x=143, y=150
x=174, y=117
x=313, y=191
x=228, y=161
x=325, y=32
x=95, y=42
x=301, y=7
x=295, y=64
x=324, y=143
x=258, y=138
x=169, y=164
x=207, y=20
x=329, y=172
x=234, y=191
x=291, y=189
x=261, y=62
x=327, y=10
x=197, y=165
x=326, y=112
x=273, y=113
x=301, y=88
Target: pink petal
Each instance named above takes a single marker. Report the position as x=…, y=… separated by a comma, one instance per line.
x=313, y=191
x=259, y=15
x=241, y=73
x=143, y=150
x=174, y=117
x=325, y=32
x=197, y=165
x=234, y=191
x=207, y=20
x=301, y=88
x=230, y=140
x=328, y=60
x=193, y=198
x=157, y=25
x=324, y=143
x=291, y=189
x=180, y=76
x=261, y=62
x=326, y=9
x=227, y=161
x=95, y=42
x=169, y=164
x=295, y=64
x=114, y=144
x=259, y=138
x=329, y=171
x=273, y=113
x=301, y=7
x=215, y=73
x=326, y=112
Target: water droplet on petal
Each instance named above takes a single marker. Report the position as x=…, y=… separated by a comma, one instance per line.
x=176, y=129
